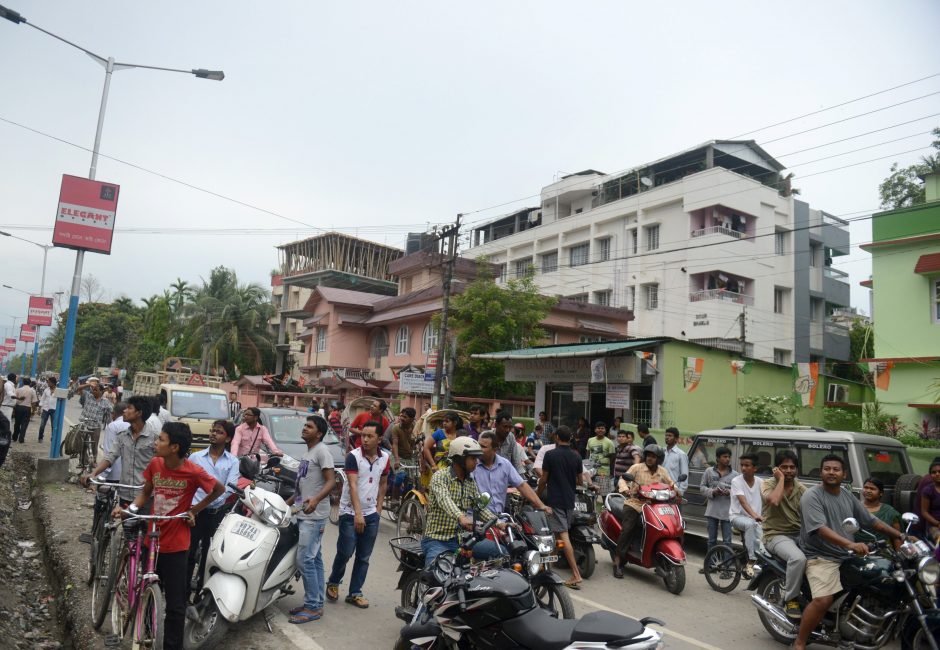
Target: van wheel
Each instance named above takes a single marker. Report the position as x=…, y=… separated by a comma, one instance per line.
x=904, y=491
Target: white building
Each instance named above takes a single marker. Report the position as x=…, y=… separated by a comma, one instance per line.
x=692, y=243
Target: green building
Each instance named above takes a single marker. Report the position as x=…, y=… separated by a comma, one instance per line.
x=905, y=253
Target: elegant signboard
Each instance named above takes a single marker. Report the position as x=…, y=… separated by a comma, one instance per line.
x=618, y=396
x=28, y=333
x=9, y=345
x=620, y=370
x=40, y=311
x=85, y=217
x=414, y=382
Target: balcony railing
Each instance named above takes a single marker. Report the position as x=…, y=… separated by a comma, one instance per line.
x=721, y=294
x=718, y=230
x=836, y=274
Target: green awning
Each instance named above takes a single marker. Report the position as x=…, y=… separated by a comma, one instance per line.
x=605, y=349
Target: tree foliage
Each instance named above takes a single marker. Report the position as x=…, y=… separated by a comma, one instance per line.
x=861, y=346
x=488, y=318
x=904, y=188
x=769, y=409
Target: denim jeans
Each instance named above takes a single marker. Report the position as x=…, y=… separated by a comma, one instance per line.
x=713, y=524
x=350, y=542
x=310, y=561
x=45, y=415
x=483, y=550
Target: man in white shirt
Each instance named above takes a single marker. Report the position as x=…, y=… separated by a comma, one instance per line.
x=9, y=396
x=677, y=461
x=746, y=508
x=108, y=440
x=47, y=405
x=25, y=396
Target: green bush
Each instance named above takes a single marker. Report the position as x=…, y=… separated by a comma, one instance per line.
x=769, y=409
x=915, y=440
x=838, y=418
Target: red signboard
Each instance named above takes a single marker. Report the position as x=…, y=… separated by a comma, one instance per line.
x=85, y=218
x=9, y=345
x=27, y=333
x=40, y=311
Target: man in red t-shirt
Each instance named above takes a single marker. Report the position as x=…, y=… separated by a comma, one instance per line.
x=172, y=481
x=375, y=413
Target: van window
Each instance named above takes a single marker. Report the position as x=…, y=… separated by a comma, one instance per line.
x=884, y=464
x=702, y=453
x=812, y=453
x=766, y=451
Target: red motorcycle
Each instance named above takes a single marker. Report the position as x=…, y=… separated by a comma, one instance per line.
x=657, y=544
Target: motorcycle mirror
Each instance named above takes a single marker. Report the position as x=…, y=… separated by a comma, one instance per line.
x=682, y=477
x=910, y=519
x=274, y=461
x=483, y=500
x=249, y=466
x=850, y=525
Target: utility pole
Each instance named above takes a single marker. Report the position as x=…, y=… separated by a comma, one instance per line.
x=206, y=341
x=742, y=321
x=450, y=233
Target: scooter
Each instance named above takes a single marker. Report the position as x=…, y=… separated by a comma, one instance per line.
x=657, y=544
x=251, y=562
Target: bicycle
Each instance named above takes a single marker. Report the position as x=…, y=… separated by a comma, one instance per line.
x=105, y=547
x=137, y=593
x=86, y=449
x=724, y=566
x=400, y=484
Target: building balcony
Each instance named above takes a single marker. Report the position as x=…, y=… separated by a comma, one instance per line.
x=718, y=230
x=723, y=222
x=721, y=294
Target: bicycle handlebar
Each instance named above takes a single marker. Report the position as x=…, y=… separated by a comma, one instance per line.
x=134, y=515
x=95, y=481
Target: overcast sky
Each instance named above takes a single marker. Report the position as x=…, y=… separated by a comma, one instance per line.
x=378, y=118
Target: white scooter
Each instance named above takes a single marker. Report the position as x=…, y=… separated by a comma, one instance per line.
x=250, y=566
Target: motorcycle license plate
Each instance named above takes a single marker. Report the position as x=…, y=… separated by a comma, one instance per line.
x=548, y=559
x=246, y=530
x=580, y=506
x=666, y=510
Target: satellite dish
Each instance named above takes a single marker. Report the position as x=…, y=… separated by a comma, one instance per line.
x=646, y=181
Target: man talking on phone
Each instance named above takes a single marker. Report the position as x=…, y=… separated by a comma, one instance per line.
x=781, y=496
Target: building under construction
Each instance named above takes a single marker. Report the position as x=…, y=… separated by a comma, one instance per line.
x=331, y=260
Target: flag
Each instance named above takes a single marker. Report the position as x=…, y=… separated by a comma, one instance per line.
x=650, y=359
x=882, y=373
x=741, y=366
x=692, y=372
x=805, y=382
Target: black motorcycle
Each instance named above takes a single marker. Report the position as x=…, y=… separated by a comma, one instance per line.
x=888, y=594
x=497, y=608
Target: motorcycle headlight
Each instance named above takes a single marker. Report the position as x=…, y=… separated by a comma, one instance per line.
x=545, y=543
x=273, y=515
x=928, y=570
x=533, y=561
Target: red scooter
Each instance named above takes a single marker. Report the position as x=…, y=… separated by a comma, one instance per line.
x=657, y=544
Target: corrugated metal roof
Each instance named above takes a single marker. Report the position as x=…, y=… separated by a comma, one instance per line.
x=604, y=349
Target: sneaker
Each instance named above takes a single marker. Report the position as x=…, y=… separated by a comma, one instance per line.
x=793, y=611
x=748, y=570
x=359, y=601
x=332, y=593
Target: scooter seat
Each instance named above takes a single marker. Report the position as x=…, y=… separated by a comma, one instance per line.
x=615, y=502
x=538, y=629
x=598, y=627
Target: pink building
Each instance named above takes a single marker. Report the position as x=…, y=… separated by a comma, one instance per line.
x=356, y=342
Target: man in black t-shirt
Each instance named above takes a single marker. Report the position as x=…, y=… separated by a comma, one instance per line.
x=561, y=472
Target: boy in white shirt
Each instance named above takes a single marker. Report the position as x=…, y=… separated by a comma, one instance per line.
x=746, y=507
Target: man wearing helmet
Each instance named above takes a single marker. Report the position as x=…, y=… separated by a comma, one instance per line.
x=452, y=495
x=646, y=473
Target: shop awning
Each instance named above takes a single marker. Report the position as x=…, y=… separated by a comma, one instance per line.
x=568, y=351
x=928, y=264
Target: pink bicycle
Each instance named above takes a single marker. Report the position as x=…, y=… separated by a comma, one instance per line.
x=137, y=593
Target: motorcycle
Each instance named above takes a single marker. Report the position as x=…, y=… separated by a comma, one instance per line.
x=658, y=543
x=497, y=608
x=889, y=594
x=251, y=561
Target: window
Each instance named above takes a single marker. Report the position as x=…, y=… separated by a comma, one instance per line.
x=811, y=455
x=652, y=296
x=550, y=262
x=652, y=238
x=523, y=267
x=781, y=300
x=816, y=309
x=402, y=340
x=603, y=249
x=501, y=272
x=379, y=345
x=886, y=464
x=578, y=255
x=815, y=255
x=781, y=357
x=935, y=300
x=630, y=298
x=590, y=339
x=766, y=451
x=634, y=241
x=429, y=341
x=602, y=298
x=321, y=339
x=702, y=453
x=780, y=243
x=579, y=297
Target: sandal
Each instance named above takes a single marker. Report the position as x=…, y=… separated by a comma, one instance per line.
x=359, y=601
x=332, y=593
x=571, y=584
x=305, y=616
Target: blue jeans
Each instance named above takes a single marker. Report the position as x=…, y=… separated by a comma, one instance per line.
x=310, y=561
x=483, y=550
x=713, y=524
x=45, y=415
x=350, y=542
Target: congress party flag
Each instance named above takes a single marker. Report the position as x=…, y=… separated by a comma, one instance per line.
x=692, y=372
x=882, y=373
x=805, y=383
x=741, y=366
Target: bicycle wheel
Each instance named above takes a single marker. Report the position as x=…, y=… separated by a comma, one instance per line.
x=105, y=575
x=97, y=524
x=411, y=518
x=722, y=568
x=148, y=624
x=120, y=605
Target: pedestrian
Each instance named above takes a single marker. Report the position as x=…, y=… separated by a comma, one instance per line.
x=508, y=447
x=172, y=482
x=6, y=437
x=716, y=488
x=96, y=412
x=782, y=493
x=222, y=466
x=234, y=406
x=47, y=404
x=477, y=417
x=600, y=449
x=616, y=427
x=133, y=448
x=109, y=394
x=315, y=480
x=250, y=436
x=747, y=507
x=677, y=461
x=109, y=439
x=547, y=427
x=25, y=396
x=162, y=411
x=823, y=508
x=581, y=436
x=360, y=506
x=643, y=433
x=402, y=436
x=336, y=419
x=436, y=445
x=9, y=396
x=376, y=413
x=561, y=473
x=540, y=457
x=495, y=475
x=626, y=455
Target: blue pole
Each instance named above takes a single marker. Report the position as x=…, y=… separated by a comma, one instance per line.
x=59, y=419
x=32, y=370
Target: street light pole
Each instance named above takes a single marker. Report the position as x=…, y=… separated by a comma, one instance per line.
x=42, y=290
x=110, y=66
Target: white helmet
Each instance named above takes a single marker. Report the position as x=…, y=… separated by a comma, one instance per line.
x=463, y=446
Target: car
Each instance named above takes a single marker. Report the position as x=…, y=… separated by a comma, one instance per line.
x=865, y=455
